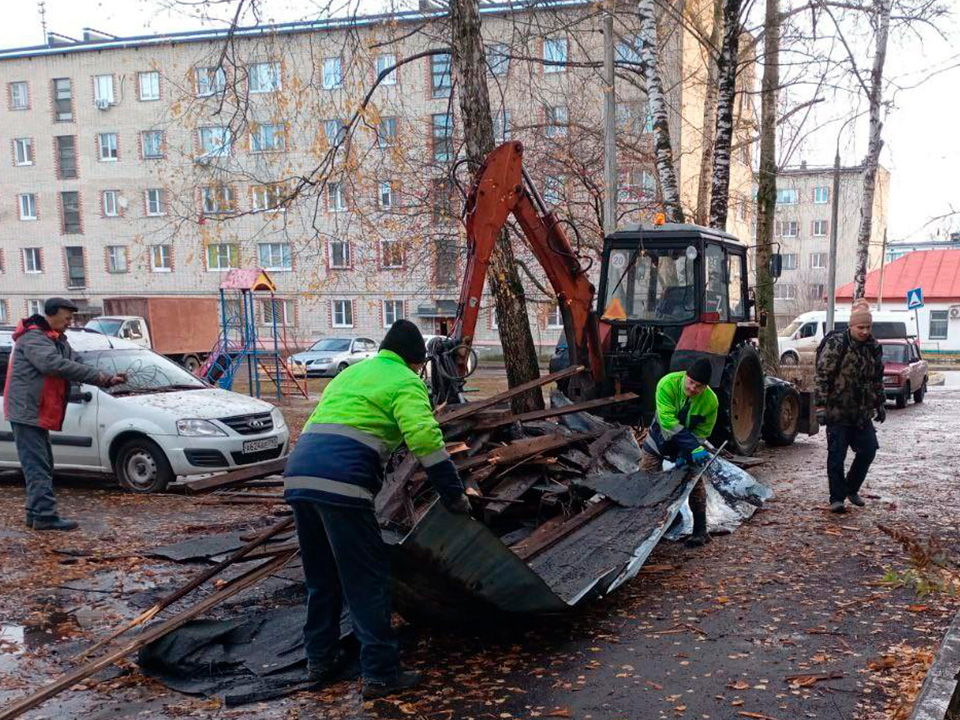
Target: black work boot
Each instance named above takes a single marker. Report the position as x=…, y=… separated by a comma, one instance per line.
x=698, y=507
x=326, y=671
x=28, y=520
x=837, y=506
x=855, y=499
x=405, y=680
x=55, y=523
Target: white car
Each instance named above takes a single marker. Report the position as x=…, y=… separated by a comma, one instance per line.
x=331, y=356
x=163, y=423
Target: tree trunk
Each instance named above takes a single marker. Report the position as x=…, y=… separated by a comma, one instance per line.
x=872, y=160
x=650, y=58
x=470, y=72
x=727, y=67
x=709, y=119
x=767, y=184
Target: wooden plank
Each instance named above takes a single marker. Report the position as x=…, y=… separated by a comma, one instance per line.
x=237, y=477
x=459, y=412
x=522, y=449
x=545, y=537
x=600, y=446
x=509, y=491
x=554, y=412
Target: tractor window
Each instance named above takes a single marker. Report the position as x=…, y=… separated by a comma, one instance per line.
x=738, y=310
x=653, y=285
x=715, y=300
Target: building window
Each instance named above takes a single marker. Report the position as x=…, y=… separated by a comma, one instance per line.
x=392, y=311
x=784, y=291
x=28, y=206
x=391, y=254
x=222, y=256
x=387, y=132
x=818, y=261
x=335, y=131
x=939, y=324
x=789, y=261
x=19, y=96
x=332, y=73
x=343, y=313
x=32, y=260
x=821, y=228
x=275, y=256
x=442, y=136
x=498, y=59
x=554, y=55
x=62, y=100
x=109, y=147
x=555, y=318
x=70, y=213
x=553, y=189
x=627, y=117
x=628, y=50
x=340, y=254
x=4, y=316
x=384, y=62
x=265, y=77
x=215, y=140
x=501, y=126
x=556, y=121
x=817, y=291
x=116, y=259
x=152, y=141
x=336, y=197
x=149, y=85
x=76, y=267
x=441, y=200
x=277, y=310
x=821, y=195
x=34, y=307
x=161, y=258
x=269, y=137
x=155, y=202
x=218, y=200
x=786, y=196
x=111, y=207
x=268, y=197
x=787, y=228
x=103, y=90
x=23, y=151
x=385, y=196
x=440, y=78
x=67, y=157
x=210, y=80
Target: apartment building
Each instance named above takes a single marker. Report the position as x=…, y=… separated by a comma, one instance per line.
x=152, y=165
x=802, y=230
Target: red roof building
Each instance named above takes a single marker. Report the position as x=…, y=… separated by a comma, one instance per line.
x=936, y=272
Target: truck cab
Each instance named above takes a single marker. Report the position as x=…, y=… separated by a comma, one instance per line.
x=125, y=327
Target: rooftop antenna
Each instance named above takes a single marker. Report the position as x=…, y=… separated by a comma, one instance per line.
x=42, y=9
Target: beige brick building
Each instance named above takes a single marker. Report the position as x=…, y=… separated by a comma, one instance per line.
x=150, y=165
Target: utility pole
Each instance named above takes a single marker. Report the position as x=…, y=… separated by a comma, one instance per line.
x=832, y=258
x=883, y=261
x=609, y=126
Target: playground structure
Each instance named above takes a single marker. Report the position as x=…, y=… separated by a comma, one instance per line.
x=240, y=345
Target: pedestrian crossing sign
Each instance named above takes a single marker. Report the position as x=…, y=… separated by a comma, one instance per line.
x=914, y=298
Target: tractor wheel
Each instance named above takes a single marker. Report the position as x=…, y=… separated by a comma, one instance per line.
x=740, y=415
x=781, y=416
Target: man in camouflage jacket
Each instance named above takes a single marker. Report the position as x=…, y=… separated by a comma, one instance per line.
x=849, y=396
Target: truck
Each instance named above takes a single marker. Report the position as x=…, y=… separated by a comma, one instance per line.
x=183, y=329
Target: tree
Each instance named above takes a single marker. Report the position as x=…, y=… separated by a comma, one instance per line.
x=727, y=70
x=702, y=216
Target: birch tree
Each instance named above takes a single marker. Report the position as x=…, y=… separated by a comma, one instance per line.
x=709, y=116
x=727, y=67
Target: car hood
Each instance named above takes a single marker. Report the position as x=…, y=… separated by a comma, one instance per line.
x=309, y=356
x=204, y=404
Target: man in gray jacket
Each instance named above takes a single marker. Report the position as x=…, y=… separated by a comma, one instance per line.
x=35, y=402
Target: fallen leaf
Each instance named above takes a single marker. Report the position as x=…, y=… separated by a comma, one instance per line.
x=739, y=685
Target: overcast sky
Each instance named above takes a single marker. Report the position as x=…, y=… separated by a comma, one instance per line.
x=922, y=142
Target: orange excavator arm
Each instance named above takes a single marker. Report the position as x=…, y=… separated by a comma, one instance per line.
x=503, y=188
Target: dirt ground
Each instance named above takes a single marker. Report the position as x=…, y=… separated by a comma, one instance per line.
x=799, y=614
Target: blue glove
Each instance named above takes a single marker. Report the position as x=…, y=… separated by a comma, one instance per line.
x=700, y=456
x=680, y=462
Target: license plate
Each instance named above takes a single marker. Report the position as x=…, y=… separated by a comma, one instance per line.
x=252, y=446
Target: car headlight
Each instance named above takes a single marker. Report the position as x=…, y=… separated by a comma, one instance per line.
x=278, y=421
x=194, y=427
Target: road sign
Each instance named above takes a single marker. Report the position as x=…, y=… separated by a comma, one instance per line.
x=914, y=298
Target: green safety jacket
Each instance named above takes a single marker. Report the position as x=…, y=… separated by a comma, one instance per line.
x=682, y=422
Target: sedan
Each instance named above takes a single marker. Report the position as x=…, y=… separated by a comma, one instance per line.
x=331, y=356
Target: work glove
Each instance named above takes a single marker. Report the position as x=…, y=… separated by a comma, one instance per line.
x=822, y=416
x=881, y=413
x=700, y=456
x=457, y=504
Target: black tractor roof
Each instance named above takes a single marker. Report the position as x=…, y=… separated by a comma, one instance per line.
x=669, y=232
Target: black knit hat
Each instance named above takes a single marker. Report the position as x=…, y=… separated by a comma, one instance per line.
x=404, y=338
x=701, y=371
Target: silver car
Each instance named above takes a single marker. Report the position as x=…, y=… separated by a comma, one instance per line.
x=329, y=356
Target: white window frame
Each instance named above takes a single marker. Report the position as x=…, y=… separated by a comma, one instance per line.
x=821, y=195
x=821, y=228
x=32, y=260
x=791, y=264
x=553, y=189
x=817, y=291
x=334, y=131
x=34, y=307
x=217, y=137
x=557, y=118
x=555, y=318
x=555, y=50
x=784, y=291
x=332, y=73
x=275, y=251
x=158, y=192
x=444, y=87
x=3, y=312
x=942, y=316
x=390, y=308
x=268, y=307
x=163, y=253
x=103, y=89
x=628, y=50
x=106, y=196
x=218, y=200
x=384, y=254
x=27, y=204
x=268, y=198
x=784, y=226
x=23, y=151
x=109, y=151
x=346, y=255
x=264, y=77
x=153, y=85
x=818, y=261
x=502, y=125
x=385, y=195
x=384, y=61
x=385, y=140
x=345, y=308
x=787, y=196
x=144, y=134
x=498, y=59
x=15, y=99
x=265, y=136
x=336, y=197
x=214, y=252
x=117, y=259
x=210, y=81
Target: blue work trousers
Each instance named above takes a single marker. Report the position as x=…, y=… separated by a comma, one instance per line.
x=36, y=462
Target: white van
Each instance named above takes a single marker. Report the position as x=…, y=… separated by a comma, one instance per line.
x=798, y=341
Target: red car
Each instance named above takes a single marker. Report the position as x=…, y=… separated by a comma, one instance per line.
x=904, y=371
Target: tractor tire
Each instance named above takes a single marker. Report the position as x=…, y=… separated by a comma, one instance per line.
x=781, y=415
x=741, y=396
